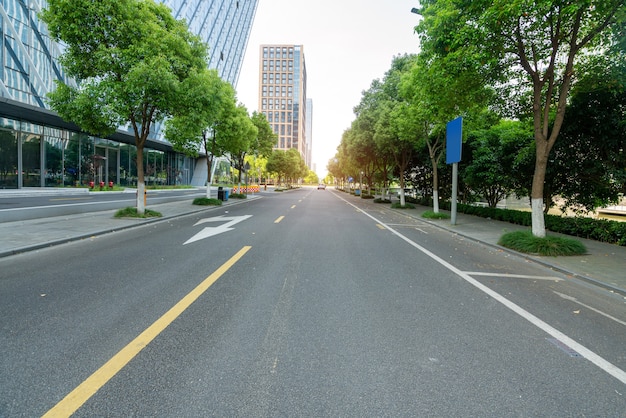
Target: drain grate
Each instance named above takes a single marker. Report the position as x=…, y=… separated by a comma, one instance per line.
x=564, y=347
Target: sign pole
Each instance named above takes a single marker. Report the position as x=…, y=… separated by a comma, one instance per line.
x=455, y=186
x=454, y=135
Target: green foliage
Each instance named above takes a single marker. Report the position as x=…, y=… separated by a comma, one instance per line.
x=526, y=242
x=602, y=230
x=288, y=165
x=490, y=156
x=366, y=196
x=131, y=59
x=429, y=214
x=237, y=196
x=207, y=201
x=131, y=212
x=381, y=200
x=531, y=50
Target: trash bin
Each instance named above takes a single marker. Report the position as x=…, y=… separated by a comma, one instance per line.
x=357, y=192
x=220, y=193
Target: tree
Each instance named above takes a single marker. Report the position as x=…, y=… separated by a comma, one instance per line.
x=240, y=136
x=265, y=140
x=492, y=157
x=131, y=58
x=205, y=101
x=535, y=45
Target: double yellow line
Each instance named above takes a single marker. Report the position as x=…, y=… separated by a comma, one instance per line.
x=76, y=398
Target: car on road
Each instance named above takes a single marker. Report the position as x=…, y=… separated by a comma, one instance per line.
x=321, y=186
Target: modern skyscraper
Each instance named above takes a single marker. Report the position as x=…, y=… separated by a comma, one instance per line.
x=38, y=148
x=282, y=94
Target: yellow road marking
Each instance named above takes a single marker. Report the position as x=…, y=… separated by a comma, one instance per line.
x=380, y=226
x=280, y=218
x=293, y=206
x=76, y=398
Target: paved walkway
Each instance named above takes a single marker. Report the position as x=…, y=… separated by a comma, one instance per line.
x=604, y=264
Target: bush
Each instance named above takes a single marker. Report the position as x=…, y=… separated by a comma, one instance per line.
x=602, y=230
x=131, y=212
x=526, y=242
x=207, y=201
x=366, y=196
x=381, y=200
x=238, y=196
x=429, y=214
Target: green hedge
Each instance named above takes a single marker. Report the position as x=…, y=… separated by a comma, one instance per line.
x=602, y=230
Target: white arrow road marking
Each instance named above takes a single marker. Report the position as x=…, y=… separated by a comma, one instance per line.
x=209, y=231
x=573, y=299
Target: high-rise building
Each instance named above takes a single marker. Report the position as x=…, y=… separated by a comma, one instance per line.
x=282, y=94
x=309, y=133
x=38, y=148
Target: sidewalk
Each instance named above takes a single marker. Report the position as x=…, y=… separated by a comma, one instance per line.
x=604, y=264
x=33, y=234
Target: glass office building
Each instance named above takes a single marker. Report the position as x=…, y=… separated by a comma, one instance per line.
x=39, y=149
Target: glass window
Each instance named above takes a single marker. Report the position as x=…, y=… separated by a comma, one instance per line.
x=31, y=160
x=8, y=158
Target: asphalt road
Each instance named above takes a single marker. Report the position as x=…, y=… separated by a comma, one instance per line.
x=33, y=207
x=301, y=304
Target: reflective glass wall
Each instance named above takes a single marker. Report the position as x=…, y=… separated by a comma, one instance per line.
x=39, y=156
x=34, y=155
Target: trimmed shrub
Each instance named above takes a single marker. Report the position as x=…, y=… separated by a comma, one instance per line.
x=207, y=201
x=429, y=214
x=131, y=212
x=526, y=242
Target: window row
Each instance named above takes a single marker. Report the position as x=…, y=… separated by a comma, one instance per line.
x=284, y=78
x=278, y=52
x=284, y=117
x=280, y=65
x=279, y=91
x=277, y=104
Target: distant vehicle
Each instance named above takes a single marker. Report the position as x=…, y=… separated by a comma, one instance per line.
x=321, y=186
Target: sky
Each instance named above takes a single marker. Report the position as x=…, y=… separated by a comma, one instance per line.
x=347, y=44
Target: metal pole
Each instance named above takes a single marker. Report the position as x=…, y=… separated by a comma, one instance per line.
x=455, y=186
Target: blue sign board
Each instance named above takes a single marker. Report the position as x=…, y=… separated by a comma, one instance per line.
x=454, y=130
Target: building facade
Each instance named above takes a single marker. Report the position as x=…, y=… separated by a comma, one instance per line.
x=39, y=149
x=282, y=94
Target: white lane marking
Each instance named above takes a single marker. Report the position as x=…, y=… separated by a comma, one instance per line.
x=591, y=308
x=513, y=276
x=594, y=358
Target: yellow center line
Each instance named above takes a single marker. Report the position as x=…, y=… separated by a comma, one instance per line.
x=280, y=218
x=76, y=398
x=293, y=206
x=380, y=226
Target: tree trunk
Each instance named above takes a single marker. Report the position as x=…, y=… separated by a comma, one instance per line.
x=141, y=187
x=536, y=194
x=435, y=186
x=209, y=166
